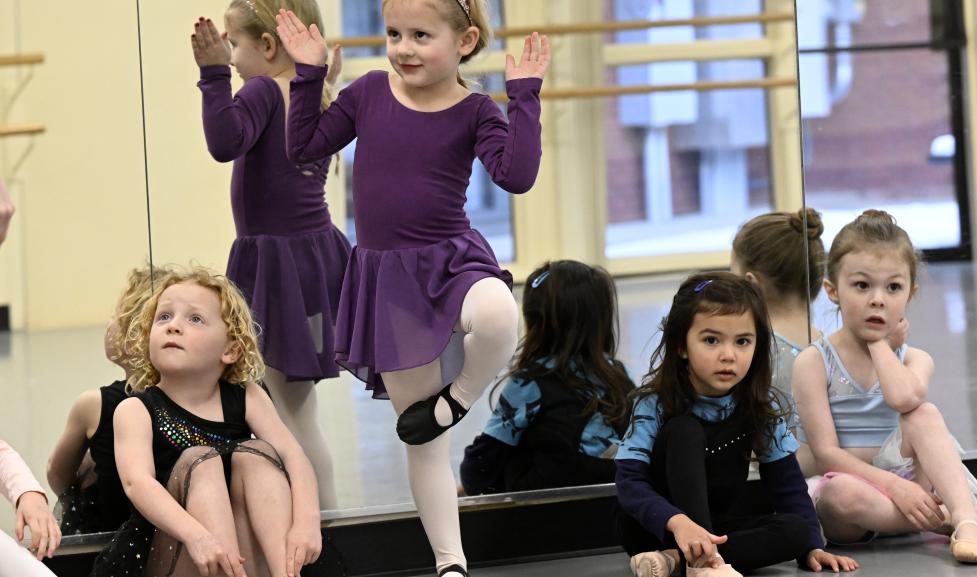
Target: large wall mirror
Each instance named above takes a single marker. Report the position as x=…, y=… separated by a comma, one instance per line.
x=649, y=185
x=80, y=225
x=885, y=126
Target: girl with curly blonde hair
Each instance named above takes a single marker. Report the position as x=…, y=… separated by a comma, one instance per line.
x=254, y=508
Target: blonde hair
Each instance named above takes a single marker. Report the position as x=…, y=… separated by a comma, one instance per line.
x=235, y=313
x=139, y=287
x=458, y=19
x=873, y=230
x=258, y=18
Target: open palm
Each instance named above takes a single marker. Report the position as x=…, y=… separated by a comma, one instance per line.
x=304, y=45
x=534, y=61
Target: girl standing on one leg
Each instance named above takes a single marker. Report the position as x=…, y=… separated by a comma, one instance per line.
x=208, y=497
x=682, y=470
x=420, y=273
x=888, y=460
x=288, y=259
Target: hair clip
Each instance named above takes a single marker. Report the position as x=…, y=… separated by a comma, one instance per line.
x=468, y=11
x=539, y=280
x=698, y=288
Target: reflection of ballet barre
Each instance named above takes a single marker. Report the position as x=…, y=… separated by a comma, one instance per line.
x=18, y=129
x=595, y=27
x=25, y=58
x=602, y=91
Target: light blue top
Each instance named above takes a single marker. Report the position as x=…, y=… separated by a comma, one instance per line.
x=784, y=353
x=862, y=419
x=640, y=438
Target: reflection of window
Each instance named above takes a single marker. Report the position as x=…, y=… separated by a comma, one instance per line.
x=684, y=167
x=488, y=206
x=877, y=99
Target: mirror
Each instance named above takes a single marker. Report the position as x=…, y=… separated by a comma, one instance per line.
x=81, y=220
x=896, y=146
x=640, y=184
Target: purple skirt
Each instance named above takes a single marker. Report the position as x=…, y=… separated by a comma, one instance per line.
x=398, y=308
x=292, y=284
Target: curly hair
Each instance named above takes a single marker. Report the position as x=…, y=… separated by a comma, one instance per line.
x=235, y=313
x=139, y=287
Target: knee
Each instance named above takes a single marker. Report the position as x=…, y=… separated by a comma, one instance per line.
x=253, y=454
x=496, y=319
x=198, y=458
x=925, y=416
x=841, y=497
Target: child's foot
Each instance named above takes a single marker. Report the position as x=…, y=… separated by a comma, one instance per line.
x=453, y=571
x=425, y=420
x=712, y=569
x=963, y=542
x=653, y=564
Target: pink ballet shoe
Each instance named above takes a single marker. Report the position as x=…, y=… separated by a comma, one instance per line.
x=724, y=570
x=653, y=564
x=963, y=550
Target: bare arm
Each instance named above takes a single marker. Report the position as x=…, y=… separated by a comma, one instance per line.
x=304, y=540
x=809, y=385
x=63, y=464
x=904, y=384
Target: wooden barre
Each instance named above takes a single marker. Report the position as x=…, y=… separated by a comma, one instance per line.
x=594, y=27
x=603, y=91
x=19, y=59
x=19, y=129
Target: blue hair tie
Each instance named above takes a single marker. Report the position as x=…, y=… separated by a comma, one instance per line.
x=539, y=280
x=698, y=288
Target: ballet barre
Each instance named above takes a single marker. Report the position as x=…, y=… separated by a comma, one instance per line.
x=596, y=27
x=21, y=59
x=21, y=129
x=604, y=91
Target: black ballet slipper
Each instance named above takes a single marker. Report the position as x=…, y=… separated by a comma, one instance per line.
x=450, y=568
x=418, y=425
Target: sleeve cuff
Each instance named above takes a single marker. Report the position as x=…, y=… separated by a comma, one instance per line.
x=523, y=85
x=215, y=71
x=310, y=72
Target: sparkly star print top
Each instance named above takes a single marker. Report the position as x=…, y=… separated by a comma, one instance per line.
x=862, y=419
x=176, y=429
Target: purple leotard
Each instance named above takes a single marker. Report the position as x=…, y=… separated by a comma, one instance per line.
x=417, y=255
x=288, y=259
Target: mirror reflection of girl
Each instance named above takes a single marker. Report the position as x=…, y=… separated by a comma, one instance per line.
x=889, y=463
x=209, y=498
x=288, y=259
x=782, y=254
x=682, y=469
x=560, y=417
x=82, y=469
x=420, y=274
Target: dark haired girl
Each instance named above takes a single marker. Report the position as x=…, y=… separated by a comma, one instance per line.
x=561, y=414
x=682, y=468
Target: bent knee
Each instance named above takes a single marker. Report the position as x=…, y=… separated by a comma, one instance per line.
x=842, y=496
x=925, y=415
x=255, y=452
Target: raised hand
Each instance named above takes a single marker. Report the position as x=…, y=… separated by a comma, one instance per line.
x=534, y=62
x=210, y=47
x=304, y=45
